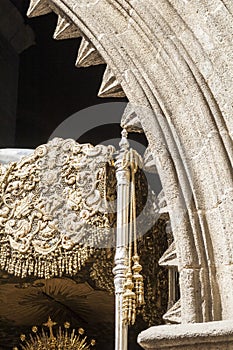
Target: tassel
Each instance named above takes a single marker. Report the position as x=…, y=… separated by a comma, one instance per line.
x=134, y=287
x=133, y=295
x=138, y=281
x=129, y=300
x=137, y=268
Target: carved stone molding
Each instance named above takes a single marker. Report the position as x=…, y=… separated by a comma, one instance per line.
x=200, y=336
x=88, y=55
x=173, y=315
x=174, y=59
x=130, y=119
x=65, y=29
x=38, y=8
x=110, y=87
x=169, y=258
x=149, y=161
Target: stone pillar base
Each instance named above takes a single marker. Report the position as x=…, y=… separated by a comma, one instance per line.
x=192, y=336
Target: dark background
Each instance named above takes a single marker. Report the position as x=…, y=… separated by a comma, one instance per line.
x=50, y=88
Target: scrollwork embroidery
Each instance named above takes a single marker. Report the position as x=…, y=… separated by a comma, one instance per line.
x=52, y=208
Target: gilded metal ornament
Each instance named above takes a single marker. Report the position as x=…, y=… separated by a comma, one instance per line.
x=64, y=339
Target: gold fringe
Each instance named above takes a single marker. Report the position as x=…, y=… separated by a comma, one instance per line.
x=57, y=264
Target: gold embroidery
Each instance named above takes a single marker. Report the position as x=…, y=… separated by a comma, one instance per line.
x=53, y=211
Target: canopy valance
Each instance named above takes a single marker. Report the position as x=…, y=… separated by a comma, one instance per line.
x=54, y=208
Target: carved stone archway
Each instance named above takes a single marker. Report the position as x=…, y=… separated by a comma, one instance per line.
x=173, y=60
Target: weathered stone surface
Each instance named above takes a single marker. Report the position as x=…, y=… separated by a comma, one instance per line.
x=173, y=315
x=131, y=120
x=210, y=335
x=169, y=258
x=65, y=29
x=149, y=161
x=38, y=8
x=110, y=87
x=88, y=55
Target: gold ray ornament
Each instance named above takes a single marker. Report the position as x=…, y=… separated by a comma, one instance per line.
x=62, y=339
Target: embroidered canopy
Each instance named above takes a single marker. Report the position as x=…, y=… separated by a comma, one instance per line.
x=54, y=208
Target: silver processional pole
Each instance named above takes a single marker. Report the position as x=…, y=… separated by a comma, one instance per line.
x=123, y=186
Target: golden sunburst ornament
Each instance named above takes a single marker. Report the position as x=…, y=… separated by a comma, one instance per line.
x=63, y=339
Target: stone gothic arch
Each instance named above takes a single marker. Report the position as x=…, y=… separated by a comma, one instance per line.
x=173, y=61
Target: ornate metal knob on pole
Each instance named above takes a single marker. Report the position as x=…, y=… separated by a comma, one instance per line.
x=123, y=186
